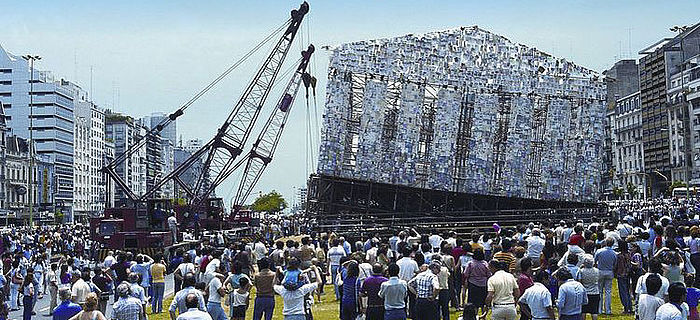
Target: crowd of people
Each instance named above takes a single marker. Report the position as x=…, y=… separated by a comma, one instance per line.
x=545, y=270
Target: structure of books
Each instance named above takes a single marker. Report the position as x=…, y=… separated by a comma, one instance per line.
x=463, y=110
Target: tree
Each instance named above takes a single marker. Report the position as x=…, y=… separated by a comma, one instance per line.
x=271, y=202
x=676, y=184
x=631, y=190
x=617, y=191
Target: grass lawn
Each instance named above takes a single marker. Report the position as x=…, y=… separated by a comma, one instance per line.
x=328, y=308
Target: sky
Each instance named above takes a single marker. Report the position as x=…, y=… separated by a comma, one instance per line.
x=139, y=57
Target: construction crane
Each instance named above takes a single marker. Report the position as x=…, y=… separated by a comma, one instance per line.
x=264, y=147
x=219, y=154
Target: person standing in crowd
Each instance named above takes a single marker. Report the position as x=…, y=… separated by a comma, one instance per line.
x=178, y=304
x=426, y=287
x=476, y=275
x=79, y=288
x=293, y=301
x=90, y=311
x=216, y=292
x=28, y=291
x=675, y=308
x=394, y=293
x=127, y=307
x=623, y=268
x=370, y=289
x=67, y=308
x=502, y=291
x=52, y=285
x=335, y=254
x=193, y=312
x=104, y=283
x=648, y=302
x=264, y=281
x=536, y=301
x=605, y=258
x=572, y=296
x=588, y=275
x=158, y=270
x=142, y=267
x=349, y=303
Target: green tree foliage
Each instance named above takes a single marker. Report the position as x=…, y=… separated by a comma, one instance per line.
x=271, y=202
x=631, y=190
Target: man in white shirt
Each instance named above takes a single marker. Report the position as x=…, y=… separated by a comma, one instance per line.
x=193, y=312
x=259, y=250
x=538, y=298
x=294, y=300
x=335, y=253
x=435, y=241
x=655, y=267
x=80, y=288
x=216, y=292
x=648, y=303
x=675, y=308
x=535, y=244
x=109, y=260
x=172, y=225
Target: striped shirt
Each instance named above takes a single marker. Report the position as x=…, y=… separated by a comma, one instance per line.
x=424, y=284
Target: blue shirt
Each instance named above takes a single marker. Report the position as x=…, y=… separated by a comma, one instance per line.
x=605, y=258
x=66, y=310
x=692, y=297
x=572, y=296
x=144, y=269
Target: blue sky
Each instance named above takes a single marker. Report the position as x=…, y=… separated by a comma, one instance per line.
x=153, y=55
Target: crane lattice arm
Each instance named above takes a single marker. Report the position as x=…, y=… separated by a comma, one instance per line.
x=264, y=147
x=219, y=154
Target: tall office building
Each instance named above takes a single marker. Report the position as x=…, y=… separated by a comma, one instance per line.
x=89, y=158
x=51, y=113
x=124, y=132
x=665, y=121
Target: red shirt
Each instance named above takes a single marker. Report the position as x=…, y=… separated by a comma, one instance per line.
x=524, y=282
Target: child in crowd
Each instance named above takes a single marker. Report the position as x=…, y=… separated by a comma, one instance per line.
x=292, y=276
x=241, y=297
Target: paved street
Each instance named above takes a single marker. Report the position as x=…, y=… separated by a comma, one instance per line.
x=42, y=305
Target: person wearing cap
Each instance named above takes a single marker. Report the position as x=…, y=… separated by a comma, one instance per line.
x=502, y=293
x=370, y=289
x=67, y=308
x=536, y=301
x=79, y=288
x=572, y=296
x=425, y=286
x=126, y=307
x=605, y=258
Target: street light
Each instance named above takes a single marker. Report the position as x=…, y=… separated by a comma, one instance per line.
x=31, y=59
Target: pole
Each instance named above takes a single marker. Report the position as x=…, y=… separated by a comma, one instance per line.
x=31, y=141
x=30, y=189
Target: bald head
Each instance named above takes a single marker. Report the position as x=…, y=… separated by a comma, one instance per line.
x=191, y=301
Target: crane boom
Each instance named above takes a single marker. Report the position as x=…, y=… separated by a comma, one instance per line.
x=220, y=153
x=264, y=147
x=228, y=143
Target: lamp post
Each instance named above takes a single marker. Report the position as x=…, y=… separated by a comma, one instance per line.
x=31, y=59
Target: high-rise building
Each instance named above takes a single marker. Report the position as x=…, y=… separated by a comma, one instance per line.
x=666, y=117
x=108, y=183
x=193, y=145
x=89, y=158
x=621, y=80
x=169, y=132
x=628, y=149
x=154, y=158
x=51, y=113
x=124, y=132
